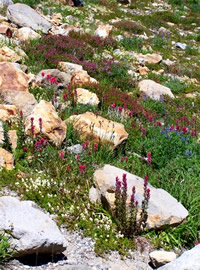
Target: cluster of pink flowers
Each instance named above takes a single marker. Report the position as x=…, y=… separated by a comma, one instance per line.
x=126, y=159
x=95, y=147
x=50, y=79
x=82, y=168
x=62, y=154
x=40, y=144
x=149, y=160
x=85, y=145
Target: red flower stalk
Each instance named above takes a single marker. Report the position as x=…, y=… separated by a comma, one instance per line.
x=21, y=114
x=62, y=154
x=82, y=168
x=85, y=145
x=32, y=130
x=120, y=109
x=143, y=131
x=184, y=129
x=68, y=168
x=32, y=120
x=145, y=181
x=40, y=124
x=149, y=160
x=150, y=119
x=65, y=96
x=95, y=147
x=147, y=197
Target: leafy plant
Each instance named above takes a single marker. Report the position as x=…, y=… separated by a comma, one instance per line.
x=127, y=218
x=6, y=252
x=6, y=141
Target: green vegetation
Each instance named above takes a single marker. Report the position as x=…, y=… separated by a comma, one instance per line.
x=163, y=141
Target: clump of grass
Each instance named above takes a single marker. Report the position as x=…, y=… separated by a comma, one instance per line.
x=127, y=216
x=130, y=26
x=132, y=44
x=6, y=252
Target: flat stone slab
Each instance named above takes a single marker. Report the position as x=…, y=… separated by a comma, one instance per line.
x=25, y=16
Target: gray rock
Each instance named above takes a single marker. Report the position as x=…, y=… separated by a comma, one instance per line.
x=25, y=16
x=74, y=267
x=76, y=149
x=154, y=90
x=5, y=3
x=168, y=62
x=119, y=37
x=94, y=195
x=163, y=209
x=189, y=260
x=63, y=78
x=160, y=257
x=31, y=229
x=22, y=100
x=180, y=45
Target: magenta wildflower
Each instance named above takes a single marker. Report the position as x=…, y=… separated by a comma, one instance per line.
x=82, y=168
x=40, y=124
x=149, y=160
x=95, y=147
x=120, y=109
x=21, y=114
x=62, y=154
x=143, y=131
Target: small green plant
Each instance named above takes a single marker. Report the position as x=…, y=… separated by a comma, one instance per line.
x=6, y=252
x=6, y=141
x=20, y=132
x=132, y=44
x=31, y=3
x=127, y=218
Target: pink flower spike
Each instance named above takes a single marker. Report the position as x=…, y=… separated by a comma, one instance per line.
x=42, y=74
x=62, y=154
x=120, y=109
x=113, y=106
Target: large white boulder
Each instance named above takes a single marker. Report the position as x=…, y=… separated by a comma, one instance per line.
x=154, y=90
x=25, y=16
x=163, y=209
x=31, y=229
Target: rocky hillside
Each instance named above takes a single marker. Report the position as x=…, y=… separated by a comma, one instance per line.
x=99, y=134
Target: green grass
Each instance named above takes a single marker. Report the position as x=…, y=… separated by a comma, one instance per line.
x=175, y=156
